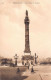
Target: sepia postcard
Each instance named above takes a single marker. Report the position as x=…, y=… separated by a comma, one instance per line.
x=25, y=40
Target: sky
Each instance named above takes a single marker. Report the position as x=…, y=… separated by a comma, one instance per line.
x=12, y=27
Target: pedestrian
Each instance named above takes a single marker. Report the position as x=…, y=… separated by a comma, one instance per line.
x=28, y=66
x=18, y=70
x=25, y=64
x=32, y=70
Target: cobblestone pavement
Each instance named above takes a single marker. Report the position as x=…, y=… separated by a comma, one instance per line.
x=42, y=72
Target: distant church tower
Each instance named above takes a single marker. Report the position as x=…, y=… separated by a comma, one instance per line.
x=27, y=45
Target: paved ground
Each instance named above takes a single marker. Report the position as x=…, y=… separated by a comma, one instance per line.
x=40, y=73
x=10, y=73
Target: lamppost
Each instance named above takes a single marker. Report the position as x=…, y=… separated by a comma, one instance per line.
x=36, y=58
x=15, y=57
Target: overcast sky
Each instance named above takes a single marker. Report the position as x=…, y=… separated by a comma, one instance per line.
x=12, y=27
